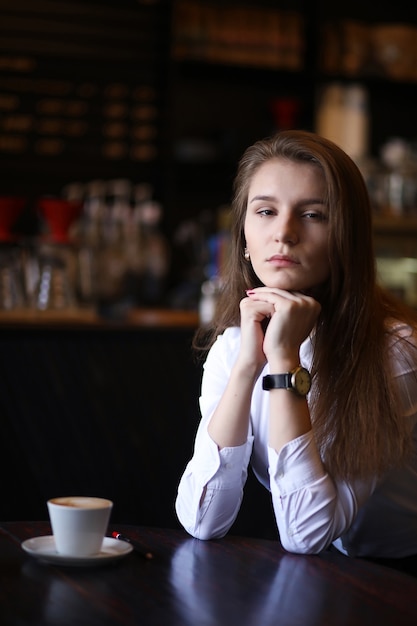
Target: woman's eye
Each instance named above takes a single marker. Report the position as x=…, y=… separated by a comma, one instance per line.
x=315, y=215
x=265, y=212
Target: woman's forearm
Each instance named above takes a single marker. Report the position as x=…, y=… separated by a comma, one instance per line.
x=229, y=424
x=289, y=417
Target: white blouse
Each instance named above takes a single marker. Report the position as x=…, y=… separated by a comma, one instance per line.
x=312, y=510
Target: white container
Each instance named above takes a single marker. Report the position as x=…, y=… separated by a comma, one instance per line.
x=342, y=117
x=79, y=524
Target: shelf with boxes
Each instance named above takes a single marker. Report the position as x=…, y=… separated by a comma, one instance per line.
x=377, y=50
x=228, y=87
x=239, y=34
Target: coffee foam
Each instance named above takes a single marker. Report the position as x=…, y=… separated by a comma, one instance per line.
x=82, y=502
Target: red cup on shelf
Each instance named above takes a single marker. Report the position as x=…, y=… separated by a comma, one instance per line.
x=59, y=214
x=10, y=209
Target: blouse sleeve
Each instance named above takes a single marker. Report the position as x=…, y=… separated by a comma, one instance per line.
x=211, y=488
x=312, y=509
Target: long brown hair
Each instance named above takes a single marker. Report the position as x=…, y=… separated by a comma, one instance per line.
x=355, y=409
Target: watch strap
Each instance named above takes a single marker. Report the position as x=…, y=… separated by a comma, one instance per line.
x=277, y=381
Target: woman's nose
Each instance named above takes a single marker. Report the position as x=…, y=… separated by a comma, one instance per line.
x=286, y=230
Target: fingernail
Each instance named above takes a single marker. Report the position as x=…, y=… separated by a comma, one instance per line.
x=249, y=291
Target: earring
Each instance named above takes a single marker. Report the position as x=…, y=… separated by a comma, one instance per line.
x=247, y=255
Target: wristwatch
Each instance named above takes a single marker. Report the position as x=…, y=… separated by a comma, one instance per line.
x=298, y=381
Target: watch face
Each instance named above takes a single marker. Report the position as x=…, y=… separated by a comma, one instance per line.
x=302, y=381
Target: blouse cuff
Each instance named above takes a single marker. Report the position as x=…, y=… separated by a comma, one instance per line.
x=296, y=465
x=222, y=469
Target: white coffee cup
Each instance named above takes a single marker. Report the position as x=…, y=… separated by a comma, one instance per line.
x=79, y=524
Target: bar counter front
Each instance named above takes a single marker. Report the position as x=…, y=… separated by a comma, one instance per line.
x=96, y=407
x=104, y=408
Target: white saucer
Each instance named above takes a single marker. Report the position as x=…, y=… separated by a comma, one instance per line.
x=43, y=549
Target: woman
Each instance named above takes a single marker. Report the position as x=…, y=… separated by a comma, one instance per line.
x=334, y=442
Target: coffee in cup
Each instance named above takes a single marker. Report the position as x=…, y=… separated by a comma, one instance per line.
x=79, y=524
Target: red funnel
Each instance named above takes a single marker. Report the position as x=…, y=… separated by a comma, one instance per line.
x=59, y=214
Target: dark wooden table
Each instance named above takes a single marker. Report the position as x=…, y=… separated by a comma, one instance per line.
x=232, y=581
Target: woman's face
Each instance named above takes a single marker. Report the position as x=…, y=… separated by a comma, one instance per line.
x=286, y=226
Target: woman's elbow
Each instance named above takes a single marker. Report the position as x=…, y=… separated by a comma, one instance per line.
x=304, y=545
x=201, y=532
x=196, y=529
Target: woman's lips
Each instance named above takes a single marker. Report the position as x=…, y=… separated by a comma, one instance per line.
x=281, y=260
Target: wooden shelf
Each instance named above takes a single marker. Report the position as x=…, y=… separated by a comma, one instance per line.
x=395, y=225
x=79, y=318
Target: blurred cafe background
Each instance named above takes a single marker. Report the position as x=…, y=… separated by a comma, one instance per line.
x=121, y=125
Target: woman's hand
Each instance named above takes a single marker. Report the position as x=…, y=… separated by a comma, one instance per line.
x=293, y=316
x=254, y=313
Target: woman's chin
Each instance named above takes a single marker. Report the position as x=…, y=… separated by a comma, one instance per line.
x=287, y=286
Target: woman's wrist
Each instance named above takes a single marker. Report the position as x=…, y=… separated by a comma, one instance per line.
x=281, y=363
x=247, y=371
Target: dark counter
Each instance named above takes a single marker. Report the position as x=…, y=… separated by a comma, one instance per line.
x=89, y=407
x=96, y=409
